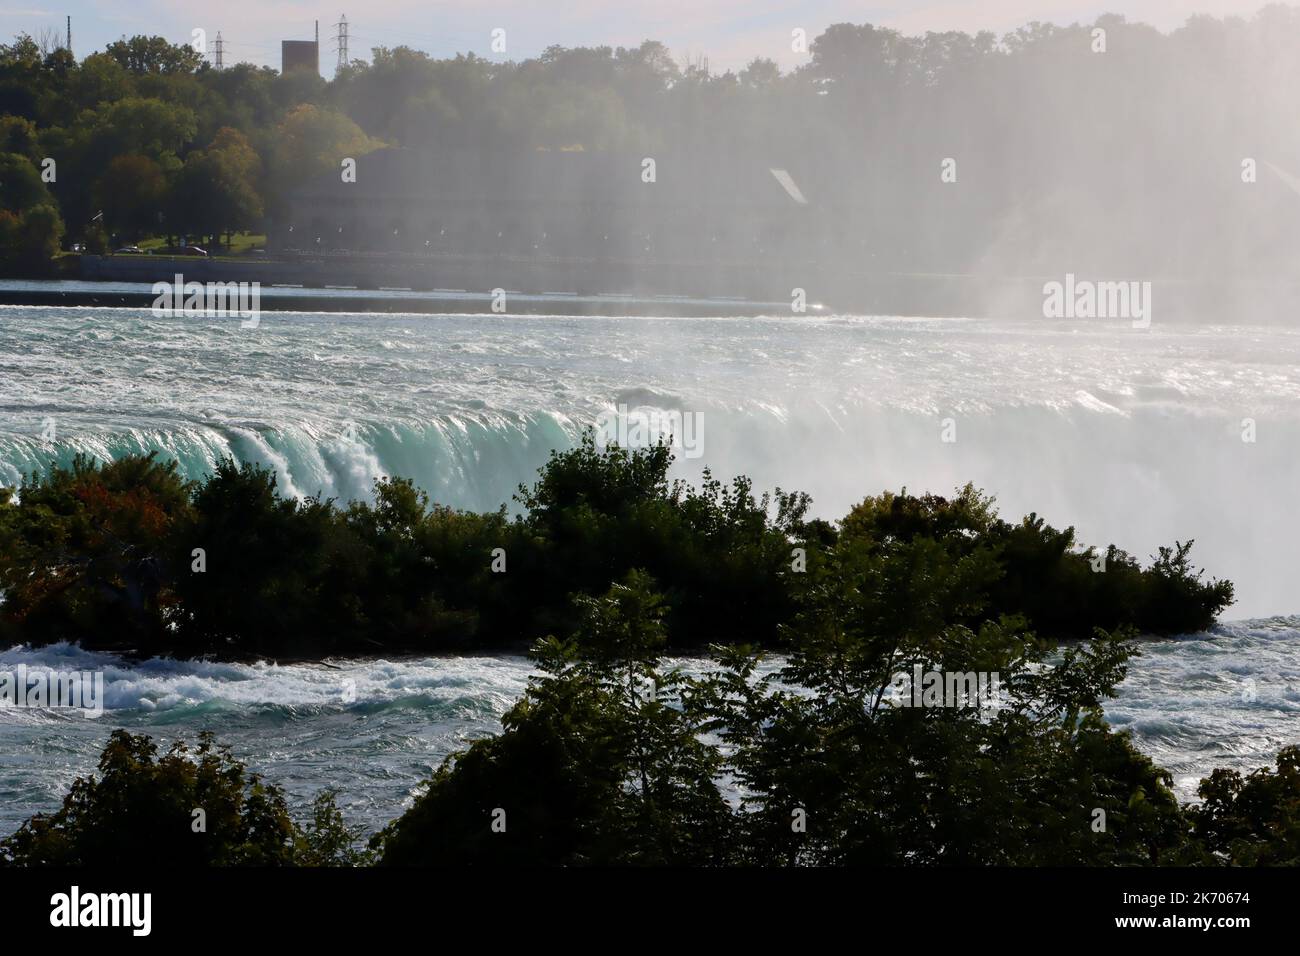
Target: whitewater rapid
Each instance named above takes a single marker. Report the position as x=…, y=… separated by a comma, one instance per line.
x=376, y=729
x=1132, y=436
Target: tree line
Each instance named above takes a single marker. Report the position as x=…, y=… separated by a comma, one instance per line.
x=1105, y=146
x=129, y=557
x=615, y=757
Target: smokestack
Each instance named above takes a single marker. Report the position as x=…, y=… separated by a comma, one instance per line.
x=318, y=33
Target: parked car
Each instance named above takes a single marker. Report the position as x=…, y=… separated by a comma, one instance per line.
x=129, y=250
x=192, y=251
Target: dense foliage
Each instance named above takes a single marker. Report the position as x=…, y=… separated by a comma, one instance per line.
x=1151, y=131
x=610, y=758
x=128, y=556
x=1252, y=820
x=602, y=714
x=614, y=755
x=189, y=807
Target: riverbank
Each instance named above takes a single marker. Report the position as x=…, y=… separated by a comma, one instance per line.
x=341, y=299
x=476, y=285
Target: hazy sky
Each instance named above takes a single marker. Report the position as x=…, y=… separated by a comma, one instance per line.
x=728, y=32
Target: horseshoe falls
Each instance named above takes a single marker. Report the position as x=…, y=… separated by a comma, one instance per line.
x=1135, y=437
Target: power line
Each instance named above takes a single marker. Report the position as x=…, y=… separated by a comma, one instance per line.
x=394, y=39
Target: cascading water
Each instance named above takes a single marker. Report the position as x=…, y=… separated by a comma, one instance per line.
x=1135, y=437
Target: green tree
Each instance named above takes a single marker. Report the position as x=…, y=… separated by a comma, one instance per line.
x=30, y=228
x=149, y=126
x=132, y=193
x=216, y=191
x=316, y=139
x=21, y=187
x=597, y=764
x=1252, y=820
x=142, y=54
x=328, y=839
x=101, y=79
x=88, y=553
x=18, y=135
x=24, y=51
x=189, y=807
x=39, y=236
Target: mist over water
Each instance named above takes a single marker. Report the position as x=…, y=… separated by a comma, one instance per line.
x=954, y=174
x=1133, y=436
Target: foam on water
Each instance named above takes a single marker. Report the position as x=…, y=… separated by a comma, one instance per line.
x=375, y=729
x=1227, y=698
x=1134, y=437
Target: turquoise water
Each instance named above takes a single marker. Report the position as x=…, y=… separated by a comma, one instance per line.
x=375, y=729
x=1131, y=436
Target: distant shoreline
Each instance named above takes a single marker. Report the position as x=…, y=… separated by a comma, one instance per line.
x=445, y=302
x=460, y=285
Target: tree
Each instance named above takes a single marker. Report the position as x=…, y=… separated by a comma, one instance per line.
x=87, y=552
x=216, y=190
x=31, y=230
x=141, y=54
x=101, y=79
x=132, y=194
x=327, y=839
x=597, y=764
x=144, y=125
x=21, y=187
x=189, y=807
x=610, y=758
x=1252, y=820
x=24, y=51
x=40, y=235
x=18, y=135
x=761, y=72
x=313, y=141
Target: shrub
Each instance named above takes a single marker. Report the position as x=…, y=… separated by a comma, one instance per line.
x=1252, y=820
x=195, y=807
x=596, y=765
x=109, y=555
